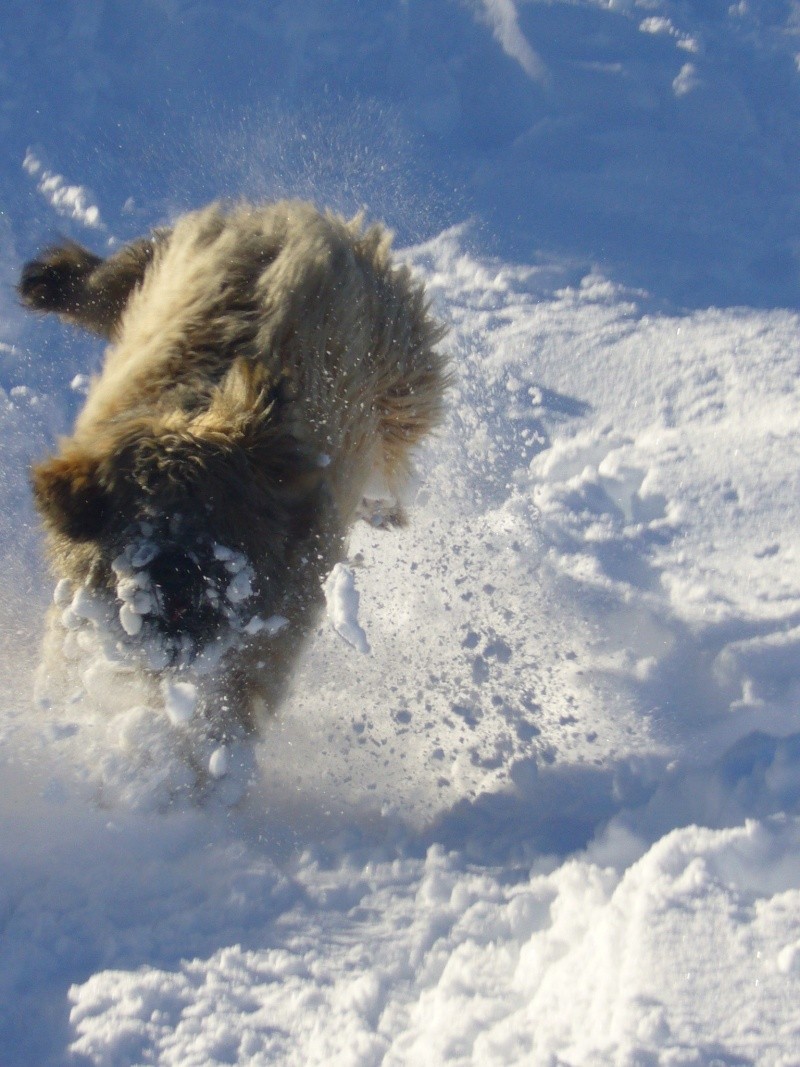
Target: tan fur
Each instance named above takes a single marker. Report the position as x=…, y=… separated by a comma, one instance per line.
x=264, y=362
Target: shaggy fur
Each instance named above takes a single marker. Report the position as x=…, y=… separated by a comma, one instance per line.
x=264, y=363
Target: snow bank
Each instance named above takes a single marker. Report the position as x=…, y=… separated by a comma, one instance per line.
x=691, y=953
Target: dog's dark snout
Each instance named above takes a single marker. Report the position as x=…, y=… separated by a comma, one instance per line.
x=179, y=584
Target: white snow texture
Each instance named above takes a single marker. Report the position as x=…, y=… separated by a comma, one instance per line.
x=552, y=817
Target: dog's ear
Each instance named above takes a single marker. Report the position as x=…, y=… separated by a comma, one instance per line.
x=257, y=413
x=246, y=400
x=70, y=497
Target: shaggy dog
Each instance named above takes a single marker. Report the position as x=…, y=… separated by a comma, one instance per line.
x=264, y=363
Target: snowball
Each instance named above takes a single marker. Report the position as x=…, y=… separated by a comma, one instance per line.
x=69, y=620
x=110, y=687
x=121, y=566
x=130, y=621
x=686, y=81
x=240, y=588
x=272, y=625
x=87, y=606
x=62, y=594
x=157, y=655
x=142, y=602
x=86, y=640
x=180, y=701
x=144, y=554
x=127, y=588
x=342, y=602
x=219, y=762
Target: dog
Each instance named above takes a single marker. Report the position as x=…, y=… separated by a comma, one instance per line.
x=264, y=363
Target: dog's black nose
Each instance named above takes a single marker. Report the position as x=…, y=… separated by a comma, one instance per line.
x=180, y=587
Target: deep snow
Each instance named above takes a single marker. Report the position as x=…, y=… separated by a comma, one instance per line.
x=535, y=794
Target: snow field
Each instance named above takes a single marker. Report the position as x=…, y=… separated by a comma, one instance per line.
x=551, y=817
x=571, y=648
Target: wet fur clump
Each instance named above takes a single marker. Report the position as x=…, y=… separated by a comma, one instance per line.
x=265, y=364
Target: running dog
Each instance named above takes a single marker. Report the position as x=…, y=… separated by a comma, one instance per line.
x=264, y=362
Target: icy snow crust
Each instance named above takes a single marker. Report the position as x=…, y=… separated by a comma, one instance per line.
x=534, y=796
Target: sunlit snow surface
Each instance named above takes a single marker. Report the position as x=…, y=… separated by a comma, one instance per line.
x=534, y=797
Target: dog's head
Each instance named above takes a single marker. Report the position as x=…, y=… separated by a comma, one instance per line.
x=191, y=522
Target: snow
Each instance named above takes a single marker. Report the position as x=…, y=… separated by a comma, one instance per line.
x=219, y=762
x=180, y=701
x=71, y=201
x=272, y=625
x=502, y=17
x=145, y=553
x=130, y=619
x=240, y=587
x=553, y=817
x=342, y=602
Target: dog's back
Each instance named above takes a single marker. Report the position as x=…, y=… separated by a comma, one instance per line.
x=312, y=298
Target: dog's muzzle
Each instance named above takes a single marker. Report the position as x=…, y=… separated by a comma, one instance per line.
x=186, y=596
x=180, y=587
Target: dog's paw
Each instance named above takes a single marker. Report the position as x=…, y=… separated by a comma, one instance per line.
x=382, y=514
x=55, y=281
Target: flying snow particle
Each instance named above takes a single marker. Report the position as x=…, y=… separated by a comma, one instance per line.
x=144, y=554
x=686, y=81
x=80, y=384
x=241, y=587
x=272, y=625
x=502, y=17
x=342, y=601
x=219, y=762
x=70, y=201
